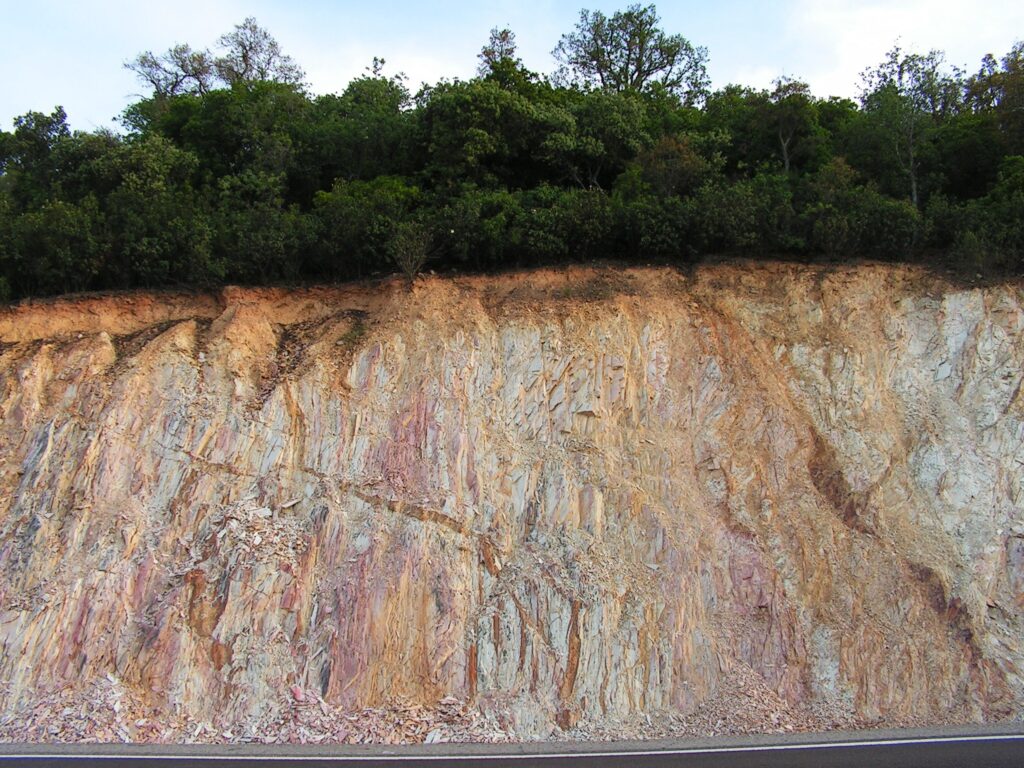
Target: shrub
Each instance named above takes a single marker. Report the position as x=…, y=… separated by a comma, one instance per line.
x=409, y=247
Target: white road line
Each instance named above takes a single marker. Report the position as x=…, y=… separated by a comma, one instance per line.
x=519, y=756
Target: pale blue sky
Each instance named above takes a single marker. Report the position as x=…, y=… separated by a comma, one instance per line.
x=71, y=53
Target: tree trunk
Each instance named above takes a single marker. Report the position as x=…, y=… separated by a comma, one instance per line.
x=912, y=170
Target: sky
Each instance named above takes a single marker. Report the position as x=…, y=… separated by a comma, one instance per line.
x=72, y=53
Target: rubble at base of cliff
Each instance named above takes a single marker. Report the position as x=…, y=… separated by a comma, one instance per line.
x=106, y=712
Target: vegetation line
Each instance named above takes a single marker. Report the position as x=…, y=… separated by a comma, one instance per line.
x=232, y=171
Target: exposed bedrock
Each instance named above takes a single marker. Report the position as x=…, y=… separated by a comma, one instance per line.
x=568, y=494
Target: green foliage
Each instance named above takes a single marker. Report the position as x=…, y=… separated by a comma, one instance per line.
x=629, y=52
x=997, y=90
x=968, y=150
x=363, y=133
x=239, y=128
x=906, y=98
x=753, y=215
x=30, y=156
x=991, y=231
x=476, y=227
x=155, y=232
x=486, y=229
x=582, y=220
x=741, y=116
x=845, y=217
x=723, y=217
x=606, y=131
x=649, y=226
x=409, y=247
x=888, y=229
x=55, y=248
x=258, y=236
x=355, y=222
x=231, y=171
x=828, y=218
x=250, y=54
x=792, y=113
x=499, y=63
x=483, y=133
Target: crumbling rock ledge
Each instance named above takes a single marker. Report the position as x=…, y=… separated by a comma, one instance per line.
x=548, y=502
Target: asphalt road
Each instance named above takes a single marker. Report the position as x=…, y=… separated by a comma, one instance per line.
x=970, y=748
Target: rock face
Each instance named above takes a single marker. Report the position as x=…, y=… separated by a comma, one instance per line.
x=566, y=495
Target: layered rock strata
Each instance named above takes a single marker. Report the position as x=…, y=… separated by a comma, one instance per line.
x=562, y=495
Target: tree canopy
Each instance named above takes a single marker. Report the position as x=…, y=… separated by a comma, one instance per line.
x=249, y=54
x=228, y=169
x=629, y=52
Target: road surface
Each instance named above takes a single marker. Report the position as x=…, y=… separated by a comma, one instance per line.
x=991, y=747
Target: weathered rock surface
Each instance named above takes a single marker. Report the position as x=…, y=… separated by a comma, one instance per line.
x=562, y=495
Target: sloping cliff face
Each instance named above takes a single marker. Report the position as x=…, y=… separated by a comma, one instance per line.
x=583, y=494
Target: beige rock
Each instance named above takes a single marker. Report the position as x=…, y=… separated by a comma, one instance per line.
x=560, y=496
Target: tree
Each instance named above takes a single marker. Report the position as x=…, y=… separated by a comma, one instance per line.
x=500, y=48
x=628, y=52
x=7, y=252
x=179, y=70
x=481, y=132
x=357, y=220
x=29, y=156
x=793, y=113
x=499, y=63
x=673, y=166
x=741, y=114
x=999, y=90
x=606, y=131
x=253, y=55
x=908, y=95
x=55, y=248
x=991, y=228
x=362, y=133
x=259, y=237
x=156, y=229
